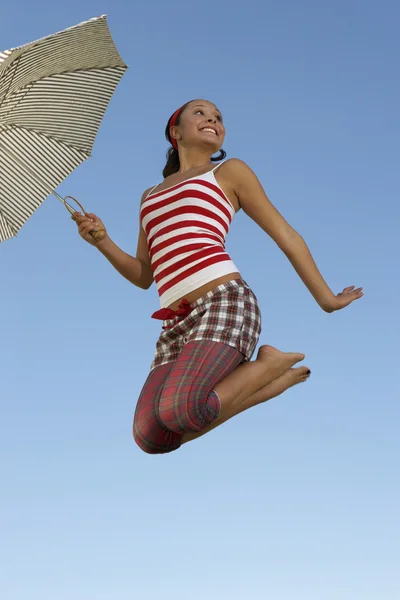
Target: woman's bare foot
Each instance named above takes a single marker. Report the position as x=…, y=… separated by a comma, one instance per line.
x=290, y=378
x=273, y=354
x=250, y=377
x=274, y=359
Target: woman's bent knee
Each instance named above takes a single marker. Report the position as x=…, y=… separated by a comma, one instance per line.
x=155, y=440
x=143, y=444
x=190, y=412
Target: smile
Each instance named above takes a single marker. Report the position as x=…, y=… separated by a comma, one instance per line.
x=210, y=130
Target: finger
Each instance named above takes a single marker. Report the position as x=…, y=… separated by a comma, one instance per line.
x=86, y=229
x=348, y=289
x=84, y=225
x=80, y=219
x=355, y=296
x=91, y=217
x=84, y=220
x=89, y=227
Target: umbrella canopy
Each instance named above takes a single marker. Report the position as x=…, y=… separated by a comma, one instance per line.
x=53, y=95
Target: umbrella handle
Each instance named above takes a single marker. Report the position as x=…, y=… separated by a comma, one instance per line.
x=98, y=234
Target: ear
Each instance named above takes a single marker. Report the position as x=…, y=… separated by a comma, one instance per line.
x=174, y=133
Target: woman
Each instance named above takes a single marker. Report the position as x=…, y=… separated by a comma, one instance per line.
x=201, y=374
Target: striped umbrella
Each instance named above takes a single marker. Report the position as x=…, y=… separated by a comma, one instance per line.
x=53, y=95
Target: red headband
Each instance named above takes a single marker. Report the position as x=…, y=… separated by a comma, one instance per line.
x=171, y=124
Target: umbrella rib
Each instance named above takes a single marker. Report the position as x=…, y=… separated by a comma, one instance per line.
x=36, y=177
x=122, y=65
x=10, y=225
x=12, y=108
x=16, y=127
x=13, y=65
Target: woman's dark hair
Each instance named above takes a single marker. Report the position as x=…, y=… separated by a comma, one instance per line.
x=172, y=165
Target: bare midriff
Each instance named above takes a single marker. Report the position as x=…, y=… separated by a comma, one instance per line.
x=199, y=292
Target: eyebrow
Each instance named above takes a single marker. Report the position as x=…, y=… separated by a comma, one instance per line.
x=204, y=106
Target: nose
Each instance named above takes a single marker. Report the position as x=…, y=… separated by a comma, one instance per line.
x=212, y=119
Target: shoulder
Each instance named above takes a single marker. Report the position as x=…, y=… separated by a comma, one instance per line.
x=233, y=164
x=239, y=175
x=236, y=169
x=147, y=192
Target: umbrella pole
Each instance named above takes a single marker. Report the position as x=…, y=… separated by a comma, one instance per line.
x=67, y=206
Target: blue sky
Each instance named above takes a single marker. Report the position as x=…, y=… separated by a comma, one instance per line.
x=295, y=499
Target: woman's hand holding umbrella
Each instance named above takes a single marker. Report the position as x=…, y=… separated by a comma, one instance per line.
x=88, y=223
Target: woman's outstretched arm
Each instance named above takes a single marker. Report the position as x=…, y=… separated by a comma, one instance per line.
x=257, y=206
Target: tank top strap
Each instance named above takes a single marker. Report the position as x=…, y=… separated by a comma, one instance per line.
x=218, y=166
x=151, y=191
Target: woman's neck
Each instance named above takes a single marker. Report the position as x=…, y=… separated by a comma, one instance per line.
x=193, y=160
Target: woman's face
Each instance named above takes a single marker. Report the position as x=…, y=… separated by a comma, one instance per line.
x=200, y=125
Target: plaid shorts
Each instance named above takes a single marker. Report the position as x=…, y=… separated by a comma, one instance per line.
x=228, y=314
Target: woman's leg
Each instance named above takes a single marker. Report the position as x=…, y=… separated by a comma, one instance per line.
x=188, y=402
x=208, y=382
x=290, y=378
x=149, y=432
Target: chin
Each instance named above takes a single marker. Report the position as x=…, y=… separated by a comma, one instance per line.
x=213, y=147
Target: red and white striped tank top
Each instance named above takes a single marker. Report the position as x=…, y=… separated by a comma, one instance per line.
x=186, y=226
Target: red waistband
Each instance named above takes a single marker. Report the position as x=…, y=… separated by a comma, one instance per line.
x=167, y=313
